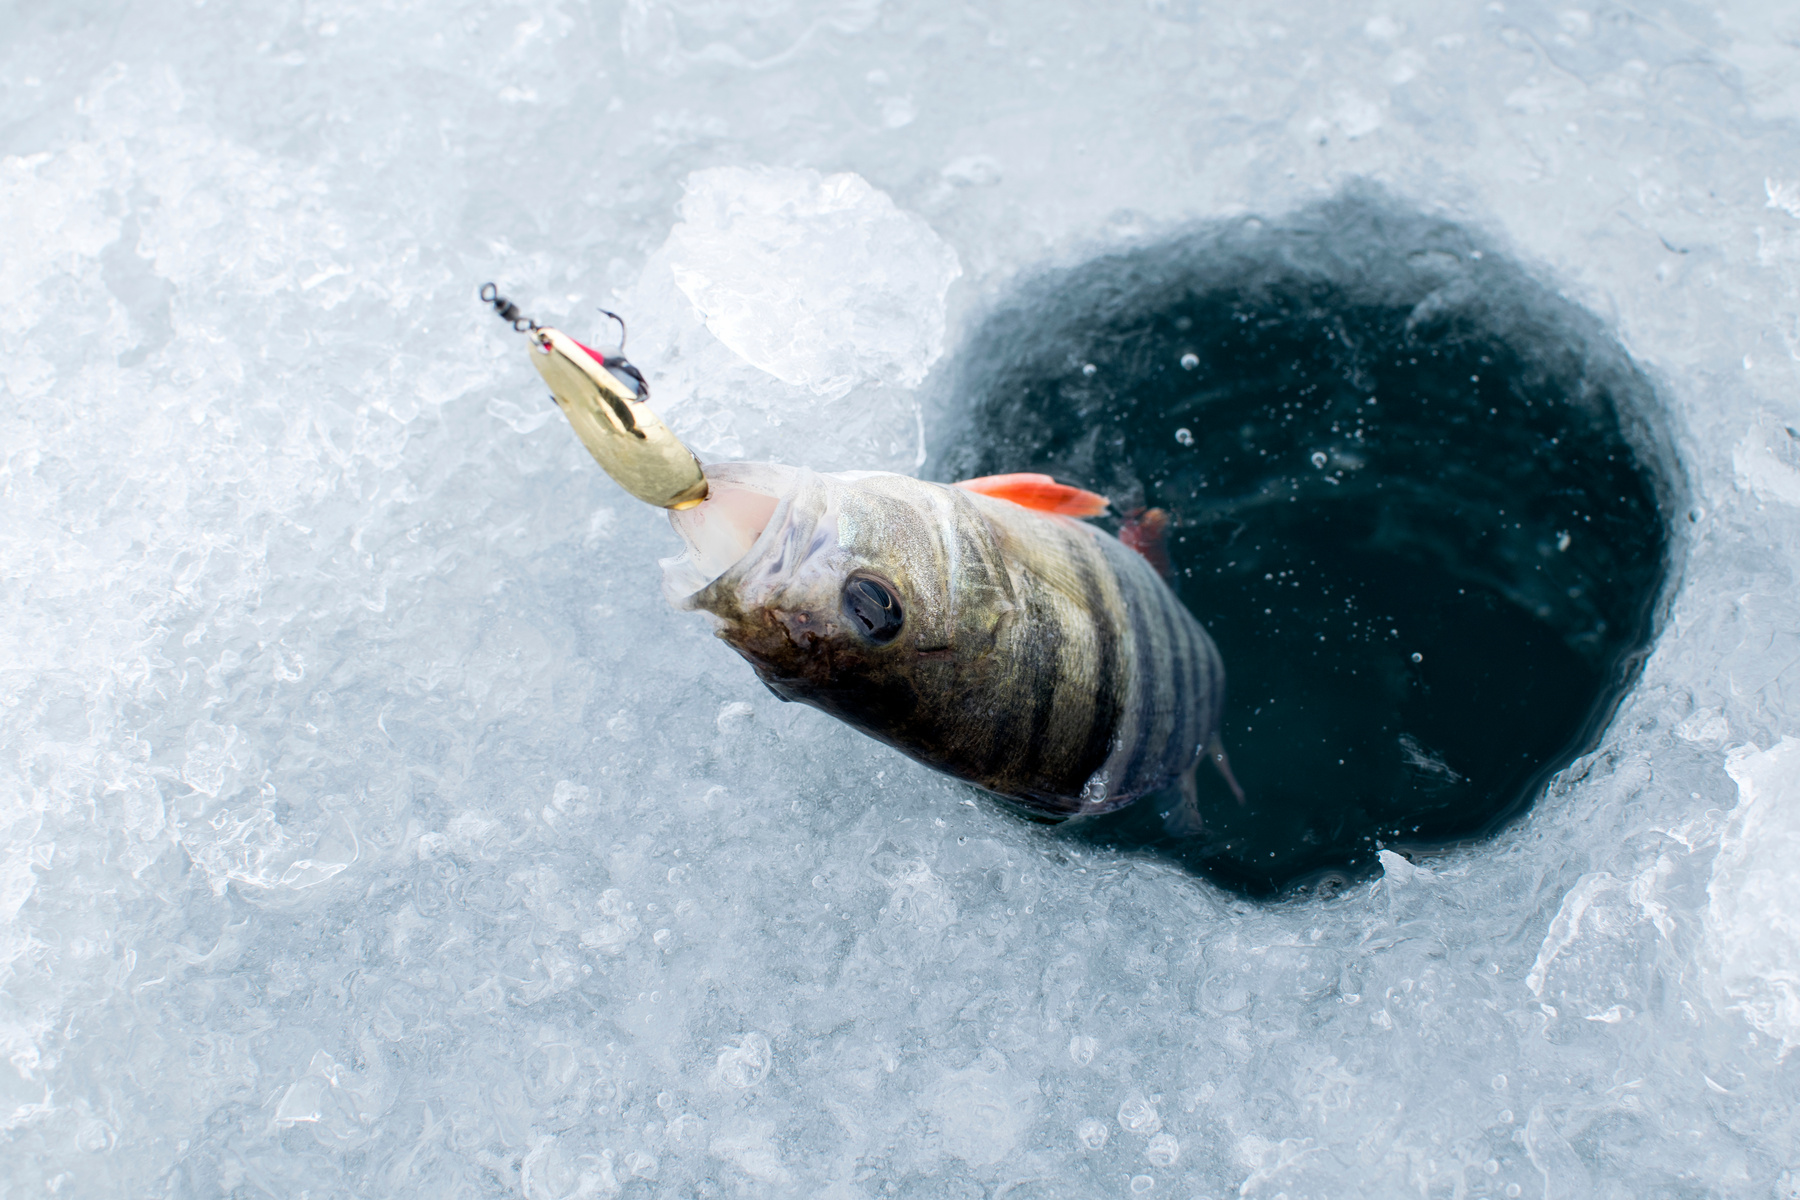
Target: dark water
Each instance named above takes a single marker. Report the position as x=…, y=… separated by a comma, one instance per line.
x=1415, y=500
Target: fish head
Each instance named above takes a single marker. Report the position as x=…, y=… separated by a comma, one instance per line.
x=834, y=586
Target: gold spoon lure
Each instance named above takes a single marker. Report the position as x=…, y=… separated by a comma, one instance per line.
x=606, y=401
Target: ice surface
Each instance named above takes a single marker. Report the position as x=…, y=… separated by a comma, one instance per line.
x=370, y=826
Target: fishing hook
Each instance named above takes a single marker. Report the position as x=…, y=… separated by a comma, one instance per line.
x=621, y=320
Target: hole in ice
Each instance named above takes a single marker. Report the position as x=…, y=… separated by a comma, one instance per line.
x=1416, y=498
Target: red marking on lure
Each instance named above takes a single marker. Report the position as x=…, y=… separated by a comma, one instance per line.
x=592, y=353
x=1147, y=531
x=1040, y=493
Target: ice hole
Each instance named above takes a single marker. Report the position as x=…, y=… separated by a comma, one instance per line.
x=1422, y=502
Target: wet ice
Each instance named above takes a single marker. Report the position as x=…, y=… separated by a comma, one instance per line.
x=372, y=827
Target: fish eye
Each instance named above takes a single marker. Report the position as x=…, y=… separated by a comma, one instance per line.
x=873, y=609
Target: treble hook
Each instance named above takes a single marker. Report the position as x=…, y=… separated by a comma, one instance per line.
x=621, y=320
x=509, y=312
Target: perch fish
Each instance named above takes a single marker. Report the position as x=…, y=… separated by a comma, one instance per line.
x=981, y=628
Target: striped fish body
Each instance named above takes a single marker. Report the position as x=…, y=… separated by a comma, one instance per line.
x=1030, y=654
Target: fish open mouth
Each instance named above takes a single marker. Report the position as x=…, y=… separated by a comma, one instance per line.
x=743, y=501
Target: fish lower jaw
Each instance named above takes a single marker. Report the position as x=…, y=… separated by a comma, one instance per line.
x=801, y=658
x=773, y=649
x=805, y=630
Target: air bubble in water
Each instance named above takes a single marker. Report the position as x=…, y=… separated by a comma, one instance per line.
x=1185, y=436
x=1417, y=657
x=1189, y=361
x=1088, y=368
x=1319, y=458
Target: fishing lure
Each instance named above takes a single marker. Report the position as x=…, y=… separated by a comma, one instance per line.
x=606, y=401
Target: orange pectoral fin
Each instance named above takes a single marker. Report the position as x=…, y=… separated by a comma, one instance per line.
x=1040, y=493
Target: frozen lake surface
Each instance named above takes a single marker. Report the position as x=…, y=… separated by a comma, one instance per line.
x=370, y=826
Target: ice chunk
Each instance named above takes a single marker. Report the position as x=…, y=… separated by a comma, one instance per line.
x=751, y=1149
x=980, y=1114
x=819, y=280
x=790, y=316
x=1753, y=900
x=1138, y=1115
x=745, y=1064
x=1767, y=461
x=1163, y=1150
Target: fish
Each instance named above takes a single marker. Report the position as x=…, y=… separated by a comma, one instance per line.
x=982, y=628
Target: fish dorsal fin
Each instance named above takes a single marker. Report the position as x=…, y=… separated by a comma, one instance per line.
x=1147, y=532
x=1040, y=493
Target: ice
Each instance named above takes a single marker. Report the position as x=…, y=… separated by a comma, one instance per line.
x=789, y=296
x=1752, y=925
x=821, y=282
x=369, y=824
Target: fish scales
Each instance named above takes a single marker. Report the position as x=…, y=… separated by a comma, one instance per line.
x=1039, y=658
x=1062, y=651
